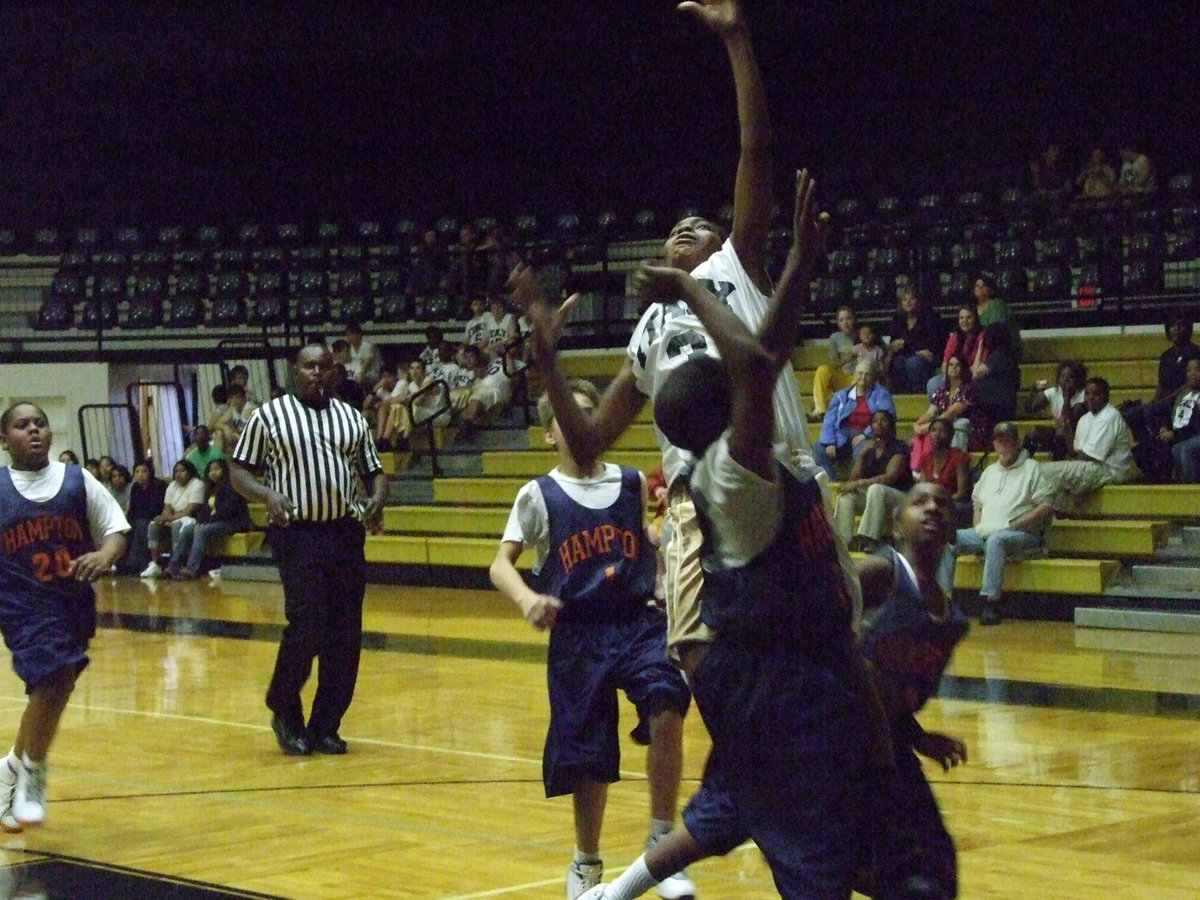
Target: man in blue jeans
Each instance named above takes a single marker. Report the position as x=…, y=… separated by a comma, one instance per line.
x=1012, y=512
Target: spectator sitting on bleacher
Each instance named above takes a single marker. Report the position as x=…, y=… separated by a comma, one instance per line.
x=847, y=425
x=203, y=450
x=489, y=395
x=947, y=466
x=1168, y=433
x=424, y=400
x=469, y=362
x=1097, y=179
x=965, y=341
x=877, y=483
x=952, y=403
x=1137, y=172
x=994, y=311
x=869, y=347
x=1011, y=513
x=500, y=325
x=380, y=391
x=240, y=375
x=996, y=380
x=342, y=386
x=364, y=358
x=1172, y=365
x=1102, y=454
x=145, y=502
x=225, y=512
x=914, y=340
x=183, y=497
x=119, y=483
x=435, y=340
x=838, y=373
x=1066, y=404
x=475, y=331
x=230, y=424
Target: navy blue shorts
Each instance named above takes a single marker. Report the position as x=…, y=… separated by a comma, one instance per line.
x=46, y=632
x=588, y=663
x=787, y=765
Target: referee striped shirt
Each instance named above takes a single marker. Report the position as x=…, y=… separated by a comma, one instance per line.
x=311, y=456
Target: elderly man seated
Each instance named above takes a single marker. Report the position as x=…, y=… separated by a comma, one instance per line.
x=1012, y=511
x=847, y=425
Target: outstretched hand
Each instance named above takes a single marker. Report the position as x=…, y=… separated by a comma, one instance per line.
x=526, y=290
x=809, y=233
x=658, y=284
x=722, y=16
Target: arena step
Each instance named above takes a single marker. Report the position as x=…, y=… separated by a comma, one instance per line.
x=485, y=521
x=1164, y=621
x=1043, y=576
x=1173, y=577
x=1176, y=501
x=532, y=463
x=1129, y=537
x=478, y=491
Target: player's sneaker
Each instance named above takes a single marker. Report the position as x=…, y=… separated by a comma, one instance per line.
x=674, y=887
x=151, y=571
x=599, y=892
x=581, y=877
x=8, y=789
x=29, y=798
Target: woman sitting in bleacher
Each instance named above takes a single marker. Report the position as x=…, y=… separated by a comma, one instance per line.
x=963, y=341
x=184, y=496
x=914, y=339
x=1168, y=433
x=1066, y=404
x=847, y=425
x=948, y=467
x=145, y=502
x=996, y=379
x=225, y=512
x=876, y=485
x=952, y=403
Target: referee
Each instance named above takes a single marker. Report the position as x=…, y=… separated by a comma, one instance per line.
x=311, y=447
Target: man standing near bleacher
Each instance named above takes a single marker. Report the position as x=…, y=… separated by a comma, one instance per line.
x=312, y=448
x=1012, y=512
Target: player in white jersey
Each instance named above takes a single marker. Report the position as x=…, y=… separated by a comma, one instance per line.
x=734, y=269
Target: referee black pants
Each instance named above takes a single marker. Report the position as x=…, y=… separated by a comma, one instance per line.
x=324, y=575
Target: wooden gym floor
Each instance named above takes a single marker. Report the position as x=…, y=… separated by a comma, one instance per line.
x=1083, y=779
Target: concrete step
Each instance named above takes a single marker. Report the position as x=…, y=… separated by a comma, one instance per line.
x=1190, y=536
x=249, y=571
x=1176, y=577
x=404, y=491
x=1138, y=620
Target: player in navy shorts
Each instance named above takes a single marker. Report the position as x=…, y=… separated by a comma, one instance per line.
x=593, y=587
x=910, y=630
x=52, y=518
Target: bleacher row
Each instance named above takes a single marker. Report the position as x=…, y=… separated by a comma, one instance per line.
x=1118, y=524
x=1043, y=252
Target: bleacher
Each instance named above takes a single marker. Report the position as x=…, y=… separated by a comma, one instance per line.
x=453, y=533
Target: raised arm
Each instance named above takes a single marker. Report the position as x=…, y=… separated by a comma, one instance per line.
x=751, y=361
x=752, y=196
x=587, y=435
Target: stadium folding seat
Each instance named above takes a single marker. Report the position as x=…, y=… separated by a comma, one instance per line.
x=46, y=242
x=307, y=257
x=1140, y=245
x=936, y=256
x=228, y=310
x=208, y=237
x=328, y=233
x=1148, y=218
x=144, y=312
x=1022, y=228
x=610, y=225
x=189, y=259
x=74, y=262
x=1087, y=248
x=1055, y=251
x=98, y=312
x=1014, y=253
x=405, y=232
x=150, y=284
x=356, y=305
x=170, y=236
x=56, y=314
x=1181, y=245
x=1181, y=188
x=273, y=258
x=87, y=240
x=889, y=208
x=1141, y=276
x=846, y=263
x=971, y=206
x=187, y=311
x=288, y=233
x=1051, y=282
x=392, y=307
x=1012, y=283
x=110, y=288
x=128, y=239
x=8, y=242
x=270, y=301
x=974, y=255
x=311, y=290
x=111, y=261
x=249, y=234
x=350, y=257
x=890, y=261
x=1014, y=202
x=877, y=292
x=1183, y=217
x=956, y=287
x=831, y=293
x=981, y=232
x=152, y=259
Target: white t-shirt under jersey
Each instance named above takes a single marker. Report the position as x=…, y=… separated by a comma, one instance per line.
x=668, y=333
x=104, y=515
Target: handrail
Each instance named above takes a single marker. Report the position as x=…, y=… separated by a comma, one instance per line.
x=430, y=420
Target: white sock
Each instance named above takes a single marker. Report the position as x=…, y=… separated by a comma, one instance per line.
x=586, y=859
x=631, y=883
x=13, y=759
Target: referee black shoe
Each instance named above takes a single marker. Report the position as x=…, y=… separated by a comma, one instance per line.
x=292, y=743
x=329, y=744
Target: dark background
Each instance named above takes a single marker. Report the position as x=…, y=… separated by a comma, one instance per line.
x=128, y=113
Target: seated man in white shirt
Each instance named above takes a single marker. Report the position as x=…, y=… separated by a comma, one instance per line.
x=1012, y=510
x=1103, y=452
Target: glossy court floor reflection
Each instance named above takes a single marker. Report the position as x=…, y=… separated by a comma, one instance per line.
x=1083, y=779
